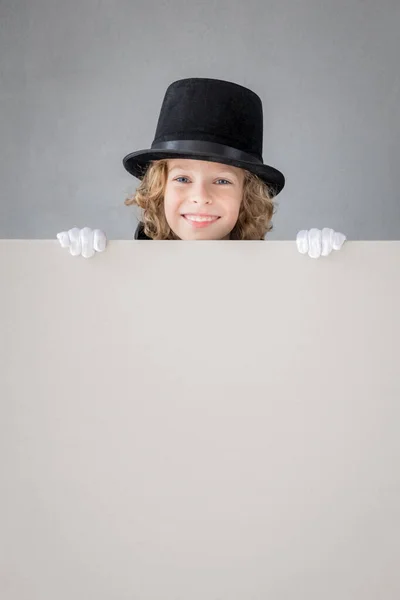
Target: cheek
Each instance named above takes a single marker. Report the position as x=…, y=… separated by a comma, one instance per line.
x=172, y=202
x=234, y=208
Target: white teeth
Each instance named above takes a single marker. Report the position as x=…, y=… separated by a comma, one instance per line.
x=192, y=218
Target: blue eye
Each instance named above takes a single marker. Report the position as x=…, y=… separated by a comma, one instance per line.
x=187, y=178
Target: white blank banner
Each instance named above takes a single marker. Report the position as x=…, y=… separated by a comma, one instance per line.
x=200, y=421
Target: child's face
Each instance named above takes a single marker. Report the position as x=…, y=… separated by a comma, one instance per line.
x=202, y=187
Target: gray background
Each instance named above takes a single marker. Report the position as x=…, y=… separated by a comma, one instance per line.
x=81, y=85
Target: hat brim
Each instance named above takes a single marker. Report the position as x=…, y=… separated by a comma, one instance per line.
x=136, y=163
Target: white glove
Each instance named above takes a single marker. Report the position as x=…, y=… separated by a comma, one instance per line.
x=317, y=242
x=84, y=241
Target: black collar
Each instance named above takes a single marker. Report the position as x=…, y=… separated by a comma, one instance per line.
x=140, y=234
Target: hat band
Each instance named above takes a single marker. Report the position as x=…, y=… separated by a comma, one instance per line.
x=207, y=148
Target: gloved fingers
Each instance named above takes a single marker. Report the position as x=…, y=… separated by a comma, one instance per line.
x=86, y=240
x=338, y=240
x=302, y=241
x=99, y=240
x=319, y=243
x=75, y=246
x=327, y=241
x=63, y=238
x=314, y=243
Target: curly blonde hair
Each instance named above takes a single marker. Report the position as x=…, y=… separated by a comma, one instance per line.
x=255, y=214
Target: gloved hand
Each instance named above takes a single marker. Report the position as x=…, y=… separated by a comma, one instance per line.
x=84, y=241
x=316, y=242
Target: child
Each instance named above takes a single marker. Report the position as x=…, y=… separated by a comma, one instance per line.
x=209, y=131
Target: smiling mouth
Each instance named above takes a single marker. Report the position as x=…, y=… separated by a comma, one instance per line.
x=201, y=217
x=200, y=221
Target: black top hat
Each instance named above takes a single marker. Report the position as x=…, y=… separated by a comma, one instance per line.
x=213, y=120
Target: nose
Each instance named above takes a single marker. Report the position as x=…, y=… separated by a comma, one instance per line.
x=201, y=194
